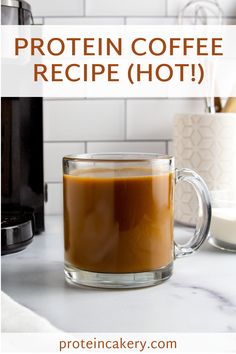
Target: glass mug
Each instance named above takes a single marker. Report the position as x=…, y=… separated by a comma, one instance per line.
x=119, y=218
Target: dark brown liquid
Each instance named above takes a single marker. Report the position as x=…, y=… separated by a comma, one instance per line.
x=118, y=224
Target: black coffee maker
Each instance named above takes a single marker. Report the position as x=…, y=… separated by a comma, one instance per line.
x=22, y=155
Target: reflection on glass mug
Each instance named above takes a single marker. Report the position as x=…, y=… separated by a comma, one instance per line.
x=119, y=218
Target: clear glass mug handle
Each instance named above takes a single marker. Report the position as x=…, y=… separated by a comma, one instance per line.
x=204, y=221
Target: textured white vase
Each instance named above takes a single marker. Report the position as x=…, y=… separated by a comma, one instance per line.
x=205, y=143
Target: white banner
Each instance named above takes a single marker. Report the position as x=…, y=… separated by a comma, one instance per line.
x=119, y=61
x=118, y=343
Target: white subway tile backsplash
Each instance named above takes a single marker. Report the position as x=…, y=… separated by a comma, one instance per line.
x=76, y=126
x=151, y=21
x=125, y=8
x=53, y=154
x=127, y=146
x=54, y=205
x=174, y=6
x=89, y=21
x=57, y=7
x=38, y=21
x=152, y=118
x=73, y=120
x=173, y=20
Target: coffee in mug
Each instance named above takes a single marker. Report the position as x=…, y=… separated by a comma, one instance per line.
x=118, y=218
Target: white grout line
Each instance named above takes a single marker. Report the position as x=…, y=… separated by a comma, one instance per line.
x=127, y=17
x=120, y=98
x=83, y=98
x=86, y=17
x=144, y=140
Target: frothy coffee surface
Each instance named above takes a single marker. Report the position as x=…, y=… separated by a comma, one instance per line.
x=118, y=221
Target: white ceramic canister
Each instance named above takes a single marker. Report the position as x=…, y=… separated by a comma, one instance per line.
x=205, y=143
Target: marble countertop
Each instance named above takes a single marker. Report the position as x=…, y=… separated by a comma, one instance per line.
x=199, y=297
